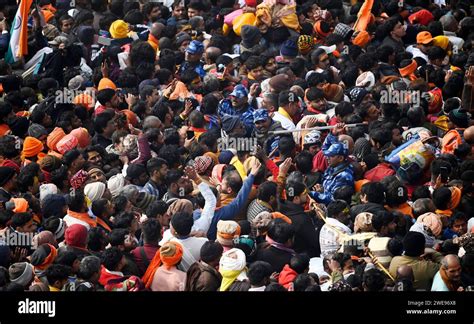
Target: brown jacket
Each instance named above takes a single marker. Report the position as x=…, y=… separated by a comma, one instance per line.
x=202, y=277
x=423, y=270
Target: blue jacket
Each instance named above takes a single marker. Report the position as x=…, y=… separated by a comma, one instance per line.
x=334, y=177
x=246, y=115
x=230, y=211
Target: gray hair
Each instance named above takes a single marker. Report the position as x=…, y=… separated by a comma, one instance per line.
x=150, y=122
x=445, y=260
x=422, y=206
x=88, y=267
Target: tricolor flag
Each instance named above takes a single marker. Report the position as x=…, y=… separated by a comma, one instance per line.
x=19, y=33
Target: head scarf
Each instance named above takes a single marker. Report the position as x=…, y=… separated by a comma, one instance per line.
x=21, y=273
x=54, y=137
x=31, y=147
x=106, y=83
x=231, y=264
x=21, y=205
x=226, y=231
x=44, y=256
x=78, y=179
x=76, y=236
x=441, y=41
x=44, y=237
x=433, y=222
x=67, y=143
x=180, y=205
x=118, y=29
x=169, y=254
x=363, y=223
x=47, y=189
x=202, y=164
x=115, y=184
x=94, y=191
x=82, y=136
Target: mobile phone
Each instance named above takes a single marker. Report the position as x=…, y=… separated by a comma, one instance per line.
x=104, y=41
x=189, y=134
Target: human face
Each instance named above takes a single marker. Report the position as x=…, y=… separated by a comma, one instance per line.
x=262, y=126
x=193, y=57
x=66, y=26
x=196, y=84
x=185, y=186
x=184, y=45
x=257, y=73
x=314, y=149
x=454, y=271
x=267, y=104
x=192, y=13
x=271, y=66
x=142, y=179
x=425, y=47
x=79, y=162
x=335, y=160
x=399, y=31
x=319, y=104
x=155, y=14
x=373, y=113
x=238, y=103
x=163, y=171
x=98, y=177
x=460, y=227
x=323, y=61
x=153, y=99
x=95, y=158
x=29, y=227
x=178, y=12
x=397, y=138
x=110, y=129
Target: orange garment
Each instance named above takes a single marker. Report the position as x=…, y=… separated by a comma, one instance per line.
x=364, y=16
x=404, y=208
x=49, y=259
x=279, y=215
x=31, y=147
x=82, y=136
x=169, y=254
x=54, y=137
x=106, y=83
x=359, y=183
x=21, y=205
x=83, y=217
x=361, y=39
x=102, y=223
x=4, y=129
x=153, y=42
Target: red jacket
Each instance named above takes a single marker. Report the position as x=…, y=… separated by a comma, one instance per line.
x=287, y=276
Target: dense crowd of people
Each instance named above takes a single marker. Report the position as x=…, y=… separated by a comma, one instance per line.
x=230, y=145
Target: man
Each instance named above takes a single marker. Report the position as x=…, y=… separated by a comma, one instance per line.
x=306, y=240
x=142, y=255
x=88, y=274
x=113, y=262
x=7, y=183
x=372, y=199
x=157, y=168
x=178, y=12
x=149, y=94
x=57, y=276
x=263, y=125
x=137, y=175
x=424, y=269
x=395, y=32
x=424, y=41
x=181, y=225
x=179, y=187
x=203, y=275
x=448, y=278
x=238, y=105
x=339, y=172
x=193, y=57
x=104, y=127
x=266, y=200
x=312, y=142
x=255, y=70
x=289, y=107
x=336, y=226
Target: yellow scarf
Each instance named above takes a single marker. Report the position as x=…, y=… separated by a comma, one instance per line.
x=283, y=112
x=239, y=166
x=228, y=277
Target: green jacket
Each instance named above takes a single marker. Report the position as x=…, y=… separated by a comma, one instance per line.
x=423, y=270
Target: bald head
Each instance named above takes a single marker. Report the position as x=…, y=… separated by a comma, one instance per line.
x=156, y=29
x=212, y=53
x=452, y=267
x=405, y=272
x=151, y=122
x=469, y=135
x=348, y=141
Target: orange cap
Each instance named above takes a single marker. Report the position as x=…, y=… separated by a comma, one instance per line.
x=106, y=83
x=424, y=38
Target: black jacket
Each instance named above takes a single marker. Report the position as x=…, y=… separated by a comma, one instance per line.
x=276, y=257
x=306, y=239
x=365, y=208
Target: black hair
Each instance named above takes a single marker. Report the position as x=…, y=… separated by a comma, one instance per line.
x=336, y=207
x=381, y=218
x=286, y=145
x=266, y=190
x=57, y=272
x=381, y=136
x=441, y=168
x=384, y=52
x=294, y=189
x=151, y=230
x=158, y=207
x=211, y=251
x=258, y=272
x=457, y=216
x=374, y=191
x=344, y=193
x=66, y=258
x=344, y=109
x=96, y=239
x=20, y=219
x=111, y=258
x=234, y=181
x=302, y=282
x=182, y=223
x=304, y=162
x=396, y=194
x=373, y=280
x=124, y=220
x=442, y=197
x=280, y=231
x=117, y=236
x=299, y=263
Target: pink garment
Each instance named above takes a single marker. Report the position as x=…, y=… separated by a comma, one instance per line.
x=168, y=279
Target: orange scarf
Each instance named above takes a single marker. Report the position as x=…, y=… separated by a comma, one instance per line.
x=83, y=217
x=455, y=198
x=153, y=41
x=102, y=223
x=49, y=259
x=408, y=70
x=169, y=254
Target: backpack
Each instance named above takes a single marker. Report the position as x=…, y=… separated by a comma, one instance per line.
x=451, y=141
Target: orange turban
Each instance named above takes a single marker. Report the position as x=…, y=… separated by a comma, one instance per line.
x=169, y=254
x=31, y=147
x=361, y=39
x=67, y=143
x=131, y=117
x=48, y=15
x=455, y=198
x=82, y=136
x=106, y=83
x=54, y=137
x=84, y=100
x=48, y=260
x=409, y=69
x=319, y=30
x=21, y=205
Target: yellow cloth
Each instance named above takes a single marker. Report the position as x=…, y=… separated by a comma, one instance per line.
x=118, y=29
x=442, y=123
x=283, y=112
x=441, y=41
x=239, y=166
x=245, y=19
x=228, y=277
